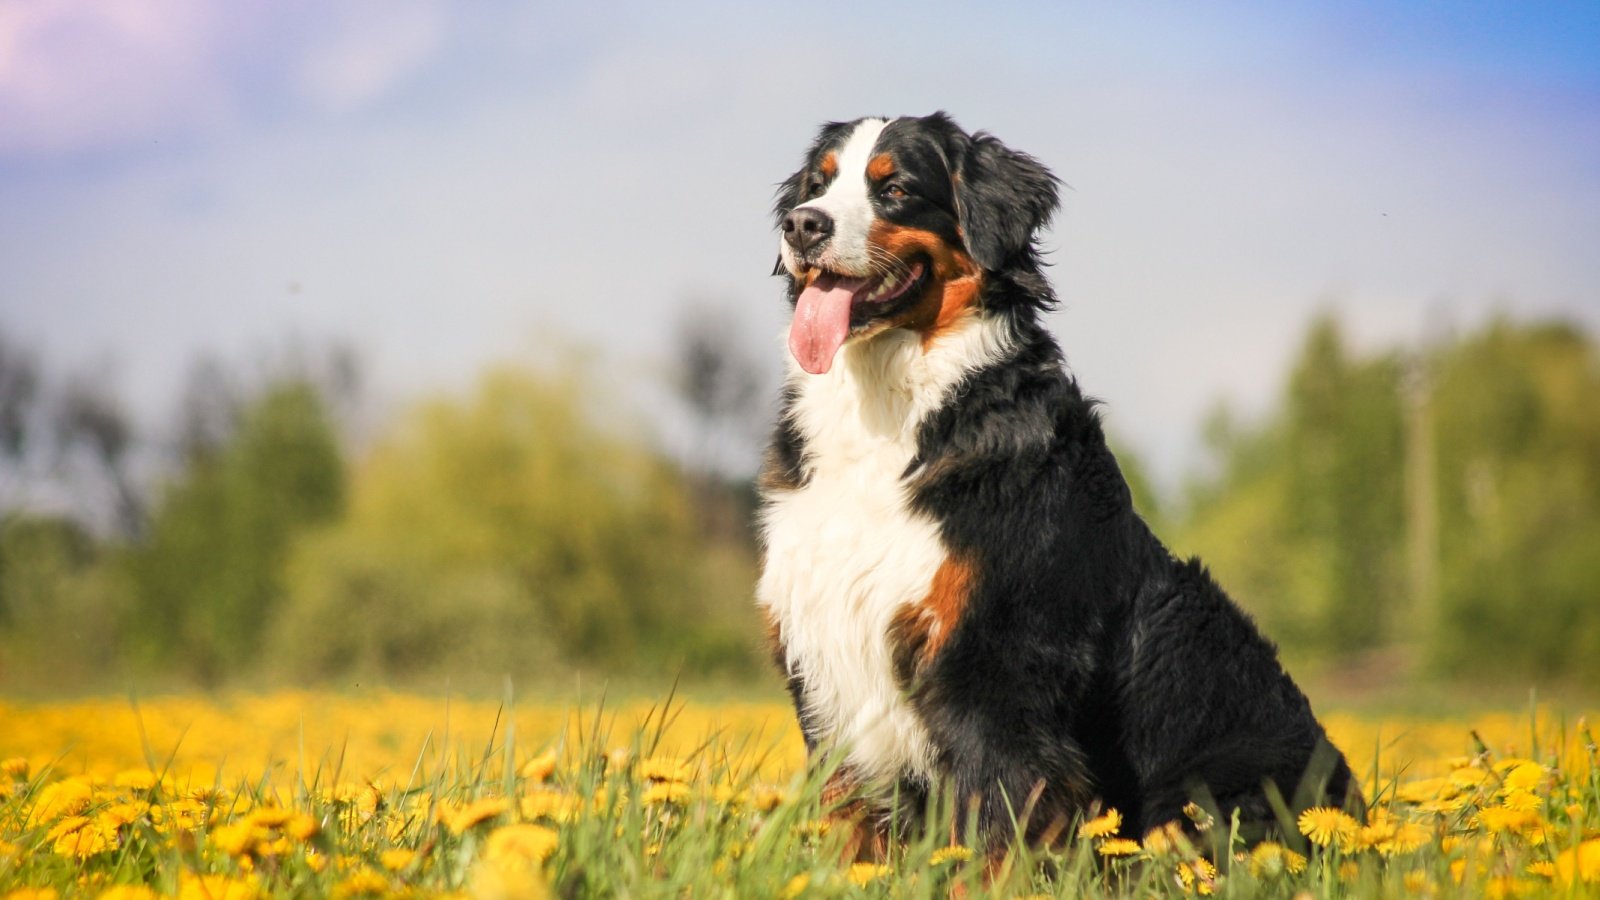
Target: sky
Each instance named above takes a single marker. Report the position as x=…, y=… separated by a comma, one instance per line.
x=447, y=186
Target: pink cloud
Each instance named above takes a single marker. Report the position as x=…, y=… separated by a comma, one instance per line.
x=85, y=75
x=79, y=74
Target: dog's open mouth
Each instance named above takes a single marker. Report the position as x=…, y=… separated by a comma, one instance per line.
x=831, y=303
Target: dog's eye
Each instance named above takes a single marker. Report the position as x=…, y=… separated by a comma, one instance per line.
x=814, y=188
x=895, y=192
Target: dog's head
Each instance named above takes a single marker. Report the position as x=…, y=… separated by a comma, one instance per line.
x=896, y=223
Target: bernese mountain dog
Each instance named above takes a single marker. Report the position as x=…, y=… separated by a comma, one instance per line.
x=956, y=584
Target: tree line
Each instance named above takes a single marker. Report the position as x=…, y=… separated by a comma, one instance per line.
x=1442, y=501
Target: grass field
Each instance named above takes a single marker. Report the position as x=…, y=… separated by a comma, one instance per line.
x=294, y=794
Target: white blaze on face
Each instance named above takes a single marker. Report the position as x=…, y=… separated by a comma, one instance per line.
x=846, y=201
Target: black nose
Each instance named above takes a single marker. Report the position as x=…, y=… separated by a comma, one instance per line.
x=807, y=228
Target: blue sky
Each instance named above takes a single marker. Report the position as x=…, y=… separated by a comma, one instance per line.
x=449, y=185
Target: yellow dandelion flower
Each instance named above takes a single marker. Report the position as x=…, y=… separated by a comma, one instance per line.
x=543, y=803
x=128, y=892
x=179, y=816
x=1581, y=862
x=475, y=813
x=1423, y=790
x=9, y=850
x=1444, y=807
x=1349, y=870
x=1543, y=868
x=270, y=816
x=1197, y=876
x=795, y=886
x=540, y=768
x=364, y=799
x=1168, y=838
x=316, y=862
x=522, y=844
x=396, y=858
x=815, y=828
x=67, y=797
x=1202, y=820
x=863, y=874
x=15, y=768
x=665, y=768
x=1417, y=881
x=301, y=827
x=1468, y=777
x=729, y=797
x=1408, y=837
x=362, y=883
x=1379, y=830
x=80, y=837
x=1103, y=825
x=1521, y=800
x=952, y=853
x=1326, y=824
x=32, y=894
x=674, y=793
x=1498, y=819
x=766, y=798
x=126, y=812
x=504, y=883
x=1525, y=776
x=214, y=887
x=237, y=838
x=1269, y=859
x=1118, y=847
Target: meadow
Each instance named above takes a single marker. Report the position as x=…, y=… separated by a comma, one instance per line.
x=383, y=794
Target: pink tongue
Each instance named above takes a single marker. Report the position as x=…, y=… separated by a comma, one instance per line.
x=822, y=321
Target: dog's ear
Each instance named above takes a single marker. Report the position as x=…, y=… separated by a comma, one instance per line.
x=1003, y=197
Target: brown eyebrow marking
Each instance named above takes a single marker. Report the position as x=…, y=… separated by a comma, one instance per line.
x=880, y=167
x=829, y=165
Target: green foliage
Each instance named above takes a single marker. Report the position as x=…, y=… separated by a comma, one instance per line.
x=1318, y=520
x=209, y=582
x=58, y=603
x=1518, y=416
x=510, y=532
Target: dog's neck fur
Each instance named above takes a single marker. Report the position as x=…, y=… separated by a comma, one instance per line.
x=845, y=550
x=882, y=387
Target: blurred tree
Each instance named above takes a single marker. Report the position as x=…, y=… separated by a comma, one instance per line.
x=1518, y=419
x=1451, y=504
x=726, y=393
x=511, y=533
x=60, y=604
x=208, y=412
x=209, y=581
x=19, y=391
x=1345, y=486
x=90, y=417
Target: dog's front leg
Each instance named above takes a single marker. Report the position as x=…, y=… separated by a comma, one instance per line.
x=846, y=806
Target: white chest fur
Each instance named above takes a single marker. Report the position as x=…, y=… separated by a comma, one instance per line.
x=844, y=552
